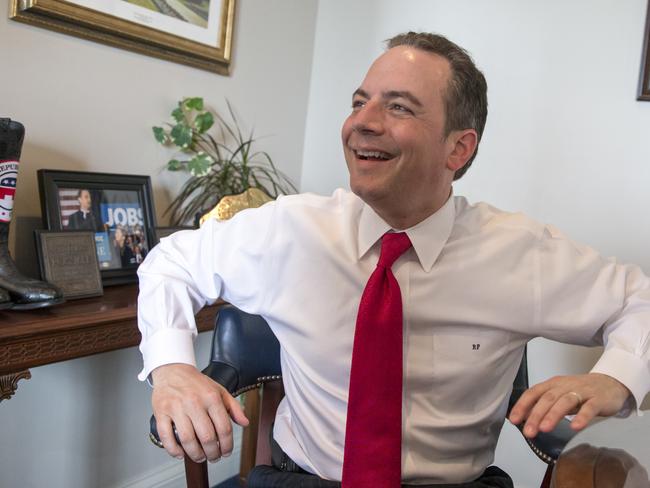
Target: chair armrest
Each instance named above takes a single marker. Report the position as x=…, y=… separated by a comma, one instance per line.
x=549, y=445
x=153, y=433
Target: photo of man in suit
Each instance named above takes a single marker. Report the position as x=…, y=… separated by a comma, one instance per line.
x=83, y=219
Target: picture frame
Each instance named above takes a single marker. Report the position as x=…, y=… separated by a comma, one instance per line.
x=69, y=260
x=644, y=77
x=196, y=33
x=117, y=208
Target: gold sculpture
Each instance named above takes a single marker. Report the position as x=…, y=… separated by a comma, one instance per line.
x=230, y=205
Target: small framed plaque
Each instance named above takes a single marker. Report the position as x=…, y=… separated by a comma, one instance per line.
x=69, y=260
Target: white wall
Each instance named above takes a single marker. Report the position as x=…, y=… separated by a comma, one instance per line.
x=566, y=141
x=90, y=107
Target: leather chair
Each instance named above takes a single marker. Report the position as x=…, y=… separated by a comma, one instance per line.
x=245, y=357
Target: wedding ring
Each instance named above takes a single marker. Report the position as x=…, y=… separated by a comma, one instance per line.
x=577, y=395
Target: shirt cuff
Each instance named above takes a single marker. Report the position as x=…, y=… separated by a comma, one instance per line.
x=165, y=347
x=629, y=369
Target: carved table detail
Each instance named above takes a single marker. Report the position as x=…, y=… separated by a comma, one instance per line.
x=9, y=383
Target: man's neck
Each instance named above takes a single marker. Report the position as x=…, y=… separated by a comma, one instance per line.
x=405, y=218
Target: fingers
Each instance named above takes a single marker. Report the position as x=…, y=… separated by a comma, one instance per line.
x=166, y=434
x=221, y=414
x=544, y=405
x=207, y=442
x=235, y=409
x=533, y=405
x=223, y=426
x=201, y=411
x=191, y=445
x=587, y=413
x=196, y=431
x=204, y=427
x=548, y=411
x=523, y=406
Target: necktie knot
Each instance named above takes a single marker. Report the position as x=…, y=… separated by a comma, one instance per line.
x=393, y=245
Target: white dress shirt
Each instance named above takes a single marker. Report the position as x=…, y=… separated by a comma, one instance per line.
x=476, y=286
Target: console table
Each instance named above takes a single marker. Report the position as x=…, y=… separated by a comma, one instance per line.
x=72, y=330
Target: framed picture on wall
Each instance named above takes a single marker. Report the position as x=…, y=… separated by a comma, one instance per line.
x=117, y=208
x=193, y=32
x=644, y=77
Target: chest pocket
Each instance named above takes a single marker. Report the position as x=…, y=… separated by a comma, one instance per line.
x=468, y=346
x=468, y=363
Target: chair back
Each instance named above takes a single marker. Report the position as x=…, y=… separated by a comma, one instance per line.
x=245, y=352
x=520, y=384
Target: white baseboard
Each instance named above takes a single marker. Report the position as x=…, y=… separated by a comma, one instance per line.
x=172, y=474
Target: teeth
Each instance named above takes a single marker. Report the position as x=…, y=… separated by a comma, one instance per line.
x=373, y=154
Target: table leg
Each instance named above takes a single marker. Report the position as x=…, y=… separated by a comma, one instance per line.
x=9, y=383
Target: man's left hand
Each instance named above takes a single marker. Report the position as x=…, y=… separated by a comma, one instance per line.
x=586, y=395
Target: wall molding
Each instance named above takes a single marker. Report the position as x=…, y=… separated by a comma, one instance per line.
x=172, y=473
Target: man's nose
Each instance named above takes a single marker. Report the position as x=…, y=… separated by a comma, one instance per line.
x=369, y=119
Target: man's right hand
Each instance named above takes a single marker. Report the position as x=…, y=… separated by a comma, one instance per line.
x=200, y=409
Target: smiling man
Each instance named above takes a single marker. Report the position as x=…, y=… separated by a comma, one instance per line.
x=401, y=154
x=402, y=310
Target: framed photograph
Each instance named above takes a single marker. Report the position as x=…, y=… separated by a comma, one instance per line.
x=193, y=32
x=118, y=209
x=644, y=77
x=69, y=260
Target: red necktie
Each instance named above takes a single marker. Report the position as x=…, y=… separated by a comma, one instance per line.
x=373, y=433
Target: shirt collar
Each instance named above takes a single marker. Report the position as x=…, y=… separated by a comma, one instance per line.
x=428, y=237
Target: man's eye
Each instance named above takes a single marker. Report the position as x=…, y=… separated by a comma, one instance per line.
x=357, y=103
x=400, y=108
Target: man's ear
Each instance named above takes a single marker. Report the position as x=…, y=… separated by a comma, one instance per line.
x=464, y=145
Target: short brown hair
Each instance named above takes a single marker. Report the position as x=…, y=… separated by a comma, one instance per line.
x=465, y=98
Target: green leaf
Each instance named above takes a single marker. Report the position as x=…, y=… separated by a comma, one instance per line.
x=194, y=103
x=178, y=114
x=174, y=165
x=181, y=135
x=159, y=134
x=203, y=122
x=199, y=165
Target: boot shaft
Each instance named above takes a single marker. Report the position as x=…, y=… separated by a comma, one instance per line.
x=4, y=234
x=12, y=134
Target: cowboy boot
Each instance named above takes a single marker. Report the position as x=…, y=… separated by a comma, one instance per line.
x=5, y=299
x=25, y=293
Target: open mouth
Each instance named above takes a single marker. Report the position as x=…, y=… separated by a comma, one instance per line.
x=373, y=155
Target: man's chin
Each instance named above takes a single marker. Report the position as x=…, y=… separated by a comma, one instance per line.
x=367, y=193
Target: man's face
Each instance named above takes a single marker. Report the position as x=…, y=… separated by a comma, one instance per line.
x=84, y=200
x=394, y=140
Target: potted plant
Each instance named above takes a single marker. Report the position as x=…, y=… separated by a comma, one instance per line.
x=217, y=168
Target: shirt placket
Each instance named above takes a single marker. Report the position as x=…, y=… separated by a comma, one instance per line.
x=402, y=272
